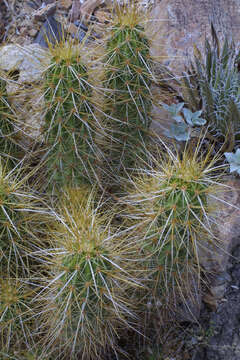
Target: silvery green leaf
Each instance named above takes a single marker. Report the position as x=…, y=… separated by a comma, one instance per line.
x=179, y=132
x=182, y=132
x=178, y=118
x=193, y=118
x=179, y=107
x=198, y=121
x=237, y=155
x=231, y=157
x=234, y=161
x=188, y=116
x=196, y=114
x=173, y=109
x=235, y=168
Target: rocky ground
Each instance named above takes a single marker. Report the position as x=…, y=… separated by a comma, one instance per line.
x=21, y=20
x=222, y=326
x=215, y=332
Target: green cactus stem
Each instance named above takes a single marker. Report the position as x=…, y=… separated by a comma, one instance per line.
x=15, y=313
x=174, y=221
x=9, y=150
x=128, y=78
x=70, y=121
x=88, y=292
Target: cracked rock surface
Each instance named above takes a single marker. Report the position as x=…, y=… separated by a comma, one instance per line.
x=224, y=323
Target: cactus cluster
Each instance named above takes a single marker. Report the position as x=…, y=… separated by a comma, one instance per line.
x=76, y=272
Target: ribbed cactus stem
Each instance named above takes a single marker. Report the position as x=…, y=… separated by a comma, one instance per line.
x=128, y=80
x=15, y=312
x=88, y=296
x=70, y=123
x=17, y=208
x=9, y=150
x=170, y=206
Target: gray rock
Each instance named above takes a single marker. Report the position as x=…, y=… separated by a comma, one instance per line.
x=50, y=32
x=28, y=63
x=224, y=323
x=45, y=11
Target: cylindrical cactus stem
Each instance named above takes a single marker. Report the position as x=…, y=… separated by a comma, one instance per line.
x=16, y=316
x=174, y=220
x=71, y=125
x=18, y=207
x=9, y=150
x=88, y=296
x=128, y=79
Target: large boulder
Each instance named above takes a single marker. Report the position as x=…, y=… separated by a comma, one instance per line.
x=176, y=25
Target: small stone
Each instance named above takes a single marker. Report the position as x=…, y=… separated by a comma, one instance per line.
x=65, y=4
x=88, y=8
x=102, y=16
x=42, y=13
x=50, y=32
x=218, y=291
x=28, y=62
x=33, y=32
x=211, y=301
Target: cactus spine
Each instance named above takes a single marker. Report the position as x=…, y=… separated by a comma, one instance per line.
x=70, y=122
x=15, y=312
x=127, y=80
x=88, y=284
x=17, y=217
x=170, y=208
x=8, y=147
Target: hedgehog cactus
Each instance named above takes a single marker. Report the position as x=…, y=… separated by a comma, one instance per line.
x=8, y=147
x=15, y=312
x=87, y=298
x=127, y=80
x=70, y=121
x=171, y=211
x=18, y=208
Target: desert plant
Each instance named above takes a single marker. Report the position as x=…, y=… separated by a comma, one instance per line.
x=128, y=76
x=70, y=120
x=182, y=129
x=86, y=299
x=170, y=209
x=212, y=83
x=18, y=209
x=234, y=161
x=9, y=150
x=15, y=316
